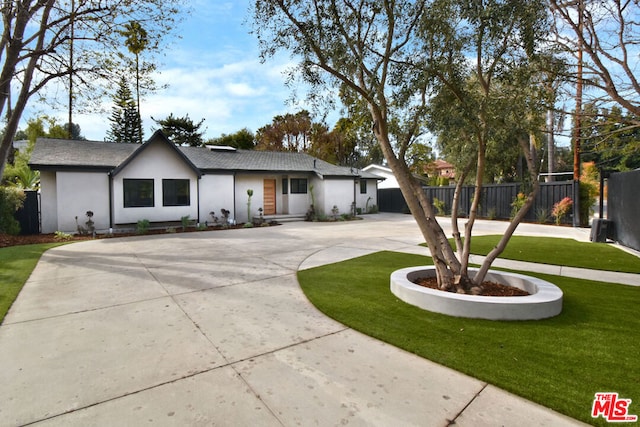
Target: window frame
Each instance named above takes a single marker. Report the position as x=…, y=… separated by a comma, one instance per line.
x=363, y=186
x=296, y=186
x=170, y=196
x=285, y=185
x=137, y=201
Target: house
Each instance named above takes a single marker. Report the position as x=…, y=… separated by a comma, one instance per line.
x=444, y=169
x=161, y=182
x=385, y=174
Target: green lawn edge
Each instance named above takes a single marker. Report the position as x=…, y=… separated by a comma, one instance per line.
x=16, y=265
x=559, y=363
x=559, y=251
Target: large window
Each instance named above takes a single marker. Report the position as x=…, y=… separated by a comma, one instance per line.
x=138, y=193
x=175, y=192
x=298, y=186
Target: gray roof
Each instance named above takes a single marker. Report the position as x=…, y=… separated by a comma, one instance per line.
x=54, y=154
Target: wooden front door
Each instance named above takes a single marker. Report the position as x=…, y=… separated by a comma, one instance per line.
x=269, y=206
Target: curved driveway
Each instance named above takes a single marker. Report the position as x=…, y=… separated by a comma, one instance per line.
x=212, y=328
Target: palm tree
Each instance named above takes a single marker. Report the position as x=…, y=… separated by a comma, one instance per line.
x=136, y=41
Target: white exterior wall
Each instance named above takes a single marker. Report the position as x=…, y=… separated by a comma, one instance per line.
x=77, y=193
x=256, y=183
x=339, y=193
x=48, y=203
x=216, y=193
x=372, y=191
x=390, y=180
x=156, y=162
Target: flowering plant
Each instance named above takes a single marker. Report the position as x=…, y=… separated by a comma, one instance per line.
x=561, y=209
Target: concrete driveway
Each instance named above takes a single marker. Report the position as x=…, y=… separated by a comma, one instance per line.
x=212, y=328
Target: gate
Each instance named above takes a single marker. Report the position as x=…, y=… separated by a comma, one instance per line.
x=29, y=215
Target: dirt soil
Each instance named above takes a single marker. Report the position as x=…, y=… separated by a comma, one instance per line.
x=489, y=289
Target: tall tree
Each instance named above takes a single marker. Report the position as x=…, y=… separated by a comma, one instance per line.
x=35, y=48
x=136, y=40
x=182, y=130
x=391, y=54
x=289, y=132
x=243, y=139
x=126, y=125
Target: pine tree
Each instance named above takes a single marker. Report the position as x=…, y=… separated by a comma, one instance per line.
x=126, y=125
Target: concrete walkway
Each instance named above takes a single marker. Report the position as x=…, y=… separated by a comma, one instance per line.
x=212, y=328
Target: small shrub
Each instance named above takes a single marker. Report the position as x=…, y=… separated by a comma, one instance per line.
x=588, y=195
x=248, y=225
x=143, y=226
x=561, y=209
x=335, y=212
x=170, y=230
x=517, y=204
x=62, y=236
x=11, y=199
x=439, y=205
x=542, y=215
x=185, y=222
x=492, y=213
x=202, y=227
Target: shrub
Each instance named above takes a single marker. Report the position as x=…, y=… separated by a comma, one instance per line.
x=561, y=209
x=11, y=199
x=62, y=236
x=588, y=195
x=439, y=205
x=143, y=226
x=542, y=215
x=185, y=222
x=517, y=204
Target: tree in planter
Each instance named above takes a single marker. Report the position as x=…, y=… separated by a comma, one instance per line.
x=392, y=56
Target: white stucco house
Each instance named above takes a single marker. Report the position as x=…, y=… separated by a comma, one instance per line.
x=161, y=182
x=384, y=174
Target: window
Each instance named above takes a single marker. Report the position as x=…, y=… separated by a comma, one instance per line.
x=138, y=193
x=285, y=185
x=298, y=186
x=175, y=192
x=363, y=186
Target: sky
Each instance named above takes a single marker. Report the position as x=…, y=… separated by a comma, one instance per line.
x=213, y=72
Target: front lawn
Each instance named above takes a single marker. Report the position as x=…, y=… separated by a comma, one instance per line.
x=557, y=251
x=16, y=264
x=560, y=362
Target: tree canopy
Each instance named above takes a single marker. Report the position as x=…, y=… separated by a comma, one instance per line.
x=38, y=38
x=182, y=130
x=126, y=125
x=393, y=56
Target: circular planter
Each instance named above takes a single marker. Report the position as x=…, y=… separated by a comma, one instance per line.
x=545, y=299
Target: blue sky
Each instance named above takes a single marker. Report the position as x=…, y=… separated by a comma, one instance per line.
x=213, y=72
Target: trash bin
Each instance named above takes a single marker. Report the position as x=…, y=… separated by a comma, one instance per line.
x=599, y=229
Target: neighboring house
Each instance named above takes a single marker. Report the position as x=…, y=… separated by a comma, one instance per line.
x=161, y=182
x=445, y=169
x=385, y=174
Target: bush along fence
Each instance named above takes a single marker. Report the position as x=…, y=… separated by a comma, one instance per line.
x=497, y=201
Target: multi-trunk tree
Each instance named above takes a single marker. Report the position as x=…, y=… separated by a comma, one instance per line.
x=394, y=56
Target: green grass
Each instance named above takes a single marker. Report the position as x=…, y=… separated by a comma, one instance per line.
x=560, y=362
x=557, y=251
x=16, y=264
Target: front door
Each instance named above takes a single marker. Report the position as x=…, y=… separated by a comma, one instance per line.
x=269, y=206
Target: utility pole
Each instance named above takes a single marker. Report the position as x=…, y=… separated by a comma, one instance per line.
x=72, y=35
x=578, y=123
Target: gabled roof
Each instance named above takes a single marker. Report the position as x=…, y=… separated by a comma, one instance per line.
x=157, y=138
x=58, y=154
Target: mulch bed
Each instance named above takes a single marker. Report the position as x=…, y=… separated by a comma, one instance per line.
x=490, y=289
x=7, y=240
